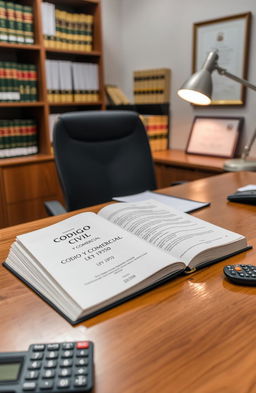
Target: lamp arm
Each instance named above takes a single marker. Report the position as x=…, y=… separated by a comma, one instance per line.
x=223, y=71
x=247, y=147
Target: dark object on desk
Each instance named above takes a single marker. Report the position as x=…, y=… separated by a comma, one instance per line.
x=248, y=197
x=100, y=154
x=51, y=367
x=241, y=274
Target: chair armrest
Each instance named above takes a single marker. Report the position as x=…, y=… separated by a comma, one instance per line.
x=54, y=208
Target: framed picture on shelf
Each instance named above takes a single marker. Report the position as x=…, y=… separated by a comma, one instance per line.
x=230, y=36
x=215, y=136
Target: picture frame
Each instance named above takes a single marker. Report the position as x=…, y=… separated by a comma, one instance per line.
x=230, y=36
x=215, y=136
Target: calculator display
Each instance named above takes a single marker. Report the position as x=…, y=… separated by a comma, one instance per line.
x=9, y=371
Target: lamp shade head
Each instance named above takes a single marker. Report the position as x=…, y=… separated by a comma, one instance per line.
x=198, y=88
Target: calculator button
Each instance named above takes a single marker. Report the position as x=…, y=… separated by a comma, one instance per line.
x=45, y=385
x=63, y=383
x=48, y=373
x=35, y=365
x=53, y=347
x=66, y=363
x=82, y=345
x=81, y=371
x=37, y=356
x=82, y=353
x=82, y=362
x=38, y=347
x=80, y=381
x=67, y=354
x=67, y=345
x=29, y=386
x=65, y=372
x=32, y=375
x=50, y=364
x=52, y=355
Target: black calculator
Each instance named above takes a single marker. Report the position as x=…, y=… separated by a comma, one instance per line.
x=53, y=368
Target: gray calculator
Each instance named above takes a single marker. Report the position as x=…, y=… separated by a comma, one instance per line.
x=52, y=367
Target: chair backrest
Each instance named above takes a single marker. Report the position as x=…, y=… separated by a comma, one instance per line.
x=101, y=154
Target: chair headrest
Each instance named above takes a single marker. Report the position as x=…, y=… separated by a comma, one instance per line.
x=95, y=126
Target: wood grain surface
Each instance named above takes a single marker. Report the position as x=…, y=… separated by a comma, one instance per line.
x=195, y=334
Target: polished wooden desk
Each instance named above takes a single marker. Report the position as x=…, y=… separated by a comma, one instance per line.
x=195, y=334
x=175, y=165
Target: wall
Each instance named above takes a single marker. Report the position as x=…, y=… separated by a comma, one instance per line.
x=141, y=34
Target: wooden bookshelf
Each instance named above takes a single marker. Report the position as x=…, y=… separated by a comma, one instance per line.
x=21, y=201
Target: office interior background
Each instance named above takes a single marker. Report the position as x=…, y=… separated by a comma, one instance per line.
x=144, y=34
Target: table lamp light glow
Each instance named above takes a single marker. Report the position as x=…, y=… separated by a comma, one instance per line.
x=198, y=90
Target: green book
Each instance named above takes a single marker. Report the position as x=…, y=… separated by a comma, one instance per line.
x=32, y=82
x=18, y=12
x=2, y=146
x=28, y=24
x=22, y=81
x=3, y=22
x=11, y=25
x=27, y=87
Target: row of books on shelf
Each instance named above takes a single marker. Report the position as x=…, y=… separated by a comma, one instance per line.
x=67, y=30
x=16, y=23
x=18, y=82
x=157, y=127
x=18, y=138
x=151, y=86
x=72, y=82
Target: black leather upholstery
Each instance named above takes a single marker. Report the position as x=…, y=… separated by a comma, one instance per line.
x=101, y=154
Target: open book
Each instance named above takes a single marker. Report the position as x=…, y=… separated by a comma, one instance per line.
x=90, y=262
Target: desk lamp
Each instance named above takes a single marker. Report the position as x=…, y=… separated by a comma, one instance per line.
x=198, y=90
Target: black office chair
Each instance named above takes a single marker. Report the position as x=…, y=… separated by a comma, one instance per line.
x=100, y=155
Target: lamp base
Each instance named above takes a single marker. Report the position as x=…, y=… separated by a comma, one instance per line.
x=240, y=164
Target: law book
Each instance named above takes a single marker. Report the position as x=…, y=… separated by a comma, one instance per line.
x=91, y=262
x=28, y=24
x=151, y=86
x=3, y=22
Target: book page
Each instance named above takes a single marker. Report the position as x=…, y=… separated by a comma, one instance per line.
x=177, y=233
x=91, y=258
x=182, y=204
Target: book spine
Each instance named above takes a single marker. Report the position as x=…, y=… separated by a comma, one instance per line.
x=85, y=32
x=76, y=32
x=8, y=81
x=18, y=9
x=22, y=81
x=56, y=41
x=27, y=82
x=3, y=22
x=80, y=32
x=1, y=139
x=15, y=140
x=90, y=24
x=28, y=24
x=8, y=140
x=33, y=81
x=16, y=95
x=11, y=24
x=34, y=146
x=2, y=97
